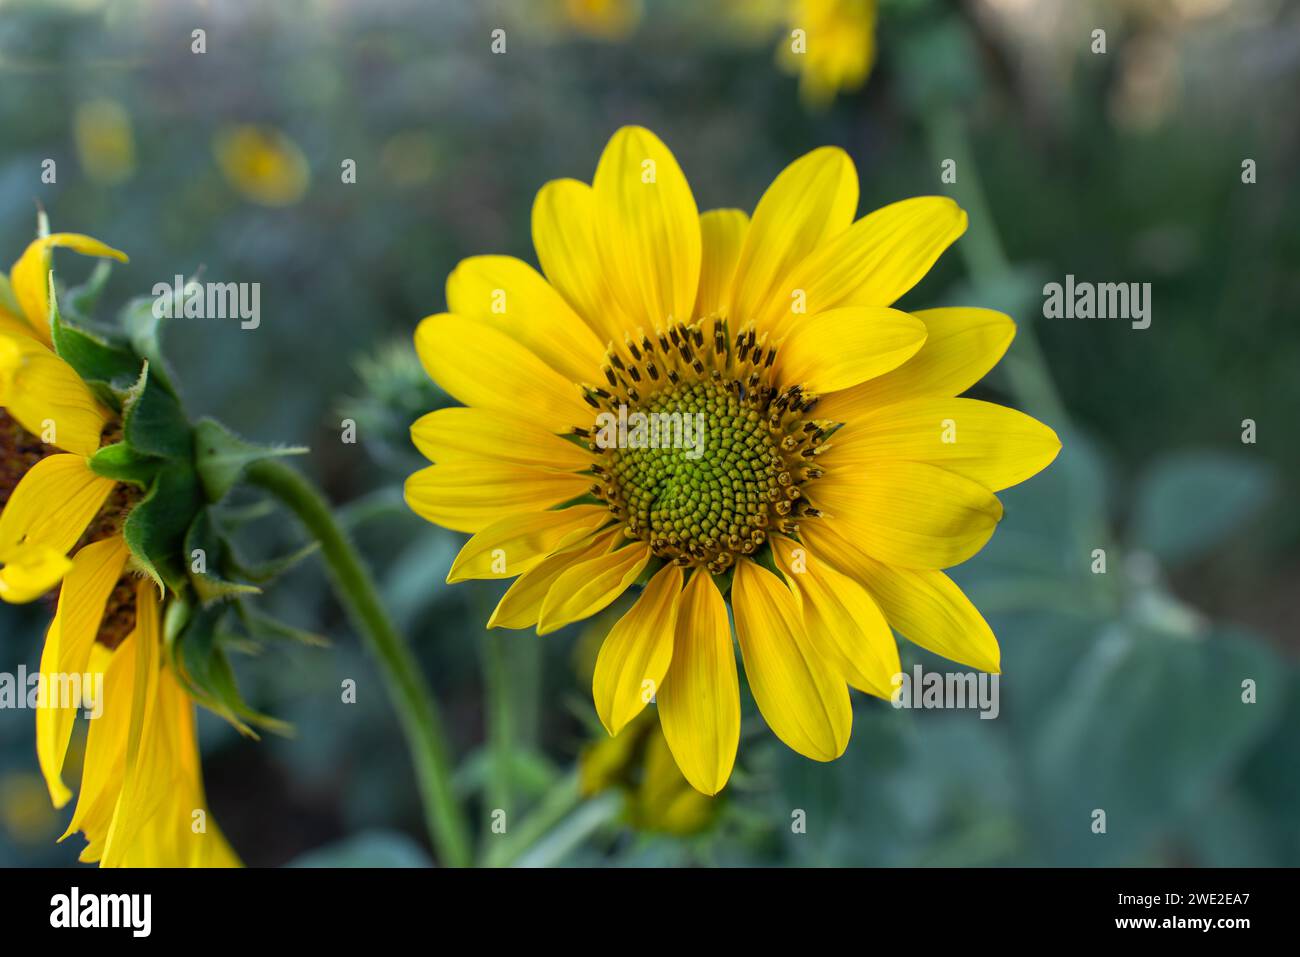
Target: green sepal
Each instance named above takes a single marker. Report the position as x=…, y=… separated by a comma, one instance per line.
x=210, y=583
x=272, y=568
x=83, y=299
x=122, y=463
x=206, y=671
x=156, y=528
x=154, y=422
x=222, y=456
x=141, y=322
x=95, y=358
x=262, y=626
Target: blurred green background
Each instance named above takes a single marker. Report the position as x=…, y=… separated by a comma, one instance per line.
x=1120, y=691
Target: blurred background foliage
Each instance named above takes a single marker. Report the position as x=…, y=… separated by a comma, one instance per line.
x=1120, y=691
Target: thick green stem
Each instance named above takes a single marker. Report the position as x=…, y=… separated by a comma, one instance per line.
x=410, y=694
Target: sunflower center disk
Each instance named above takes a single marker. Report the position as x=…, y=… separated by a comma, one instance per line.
x=701, y=455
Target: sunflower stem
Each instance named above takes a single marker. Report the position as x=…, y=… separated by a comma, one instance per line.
x=408, y=691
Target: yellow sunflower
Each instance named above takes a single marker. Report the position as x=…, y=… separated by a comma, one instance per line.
x=833, y=473
x=141, y=800
x=830, y=44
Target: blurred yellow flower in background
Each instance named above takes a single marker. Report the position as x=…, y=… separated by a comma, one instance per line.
x=105, y=143
x=822, y=496
x=262, y=164
x=830, y=44
x=603, y=19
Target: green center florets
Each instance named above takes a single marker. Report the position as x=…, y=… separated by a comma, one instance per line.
x=701, y=456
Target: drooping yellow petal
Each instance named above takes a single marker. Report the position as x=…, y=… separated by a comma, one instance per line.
x=482, y=366
x=104, y=765
x=48, y=511
x=990, y=444
x=843, y=621
x=647, y=229
x=881, y=256
x=150, y=772
x=908, y=513
x=925, y=607
x=812, y=200
x=699, y=702
x=465, y=434
x=842, y=347
x=517, y=543
x=636, y=653
x=64, y=661
x=722, y=232
x=31, y=275
x=564, y=235
x=961, y=346
x=801, y=694
x=469, y=496
x=521, y=606
x=584, y=589
x=48, y=398
x=512, y=296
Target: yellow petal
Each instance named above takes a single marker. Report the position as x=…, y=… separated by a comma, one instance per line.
x=881, y=256
x=647, y=228
x=49, y=511
x=584, y=589
x=699, y=702
x=990, y=444
x=469, y=496
x=564, y=234
x=48, y=398
x=517, y=543
x=722, y=232
x=512, y=297
x=31, y=274
x=482, y=366
x=462, y=434
x=961, y=346
x=843, y=621
x=634, y=656
x=925, y=607
x=908, y=513
x=842, y=347
x=65, y=660
x=521, y=606
x=150, y=762
x=801, y=694
x=812, y=200
x=104, y=765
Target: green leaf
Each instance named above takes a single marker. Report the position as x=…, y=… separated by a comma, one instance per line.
x=123, y=464
x=94, y=357
x=271, y=569
x=155, y=529
x=1190, y=502
x=154, y=422
x=222, y=457
x=206, y=549
x=142, y=324
x=83, y=299
x=1145, y=729
x=263, y=626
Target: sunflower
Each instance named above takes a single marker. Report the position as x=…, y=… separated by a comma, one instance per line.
x=838, y=472
x=831, y=45
x=141, y=800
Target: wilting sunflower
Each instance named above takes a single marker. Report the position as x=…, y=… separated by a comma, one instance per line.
x=836, y=475
x=141, y=800
x=830, y=44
